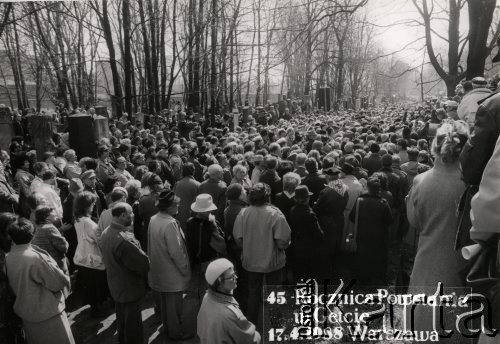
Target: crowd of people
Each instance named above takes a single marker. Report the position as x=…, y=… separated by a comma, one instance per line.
x=380, y=195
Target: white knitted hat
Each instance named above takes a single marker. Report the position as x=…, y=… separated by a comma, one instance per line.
x=217, y=268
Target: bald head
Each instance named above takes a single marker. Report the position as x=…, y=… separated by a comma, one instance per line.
x=122, y=213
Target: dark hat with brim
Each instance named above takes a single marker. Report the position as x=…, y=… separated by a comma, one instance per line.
x=167, y=198
x=302, y=192
x=347, y=168
x=331, y=171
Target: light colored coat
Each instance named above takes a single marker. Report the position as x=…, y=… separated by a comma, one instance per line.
x=37, y=282
x=432, y=210
x=260, y=227
x=468, y=106
x=221, y=321
x=87, y=252
x=52, y=197
x=169, y=260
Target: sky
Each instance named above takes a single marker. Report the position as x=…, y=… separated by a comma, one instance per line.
x=386, y=13
x=394, y=37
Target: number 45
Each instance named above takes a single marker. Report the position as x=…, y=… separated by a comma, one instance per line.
x=276, y=297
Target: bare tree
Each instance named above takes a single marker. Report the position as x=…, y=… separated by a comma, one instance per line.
x=480, y=18
x=103, y=16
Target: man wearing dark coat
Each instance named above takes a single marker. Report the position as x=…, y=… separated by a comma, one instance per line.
x=314, y=180
x=374, y=220
x=271, y=177
x=330, y=208
x=310, y=258
x=372, y=163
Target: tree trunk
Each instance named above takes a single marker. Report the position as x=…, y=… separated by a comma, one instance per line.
x=480, y=18
x=222, y=95
x=205, y=75
x=15, y=67
x=147, y=58
x=127, y=58
x=163, y=58
x=38, y=78
x=22, y=83
x=7, y=91
x=154, y=55
x=259, y=57
x=6, y=14
x=174, y=53
x=268, y=55
x=213, y=68
x=251, y=57
x=238, y=69
x=117, y=98
x=231, y=71
x=79, y=60
x=200, y=38
x=61, y=52
x=309, y=43
x=188, y=86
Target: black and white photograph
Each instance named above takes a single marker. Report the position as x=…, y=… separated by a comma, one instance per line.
x=249, y=171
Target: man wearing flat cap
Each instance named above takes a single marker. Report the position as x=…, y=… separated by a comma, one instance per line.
x=469, y=105
x=220, y=319
x=170, y=270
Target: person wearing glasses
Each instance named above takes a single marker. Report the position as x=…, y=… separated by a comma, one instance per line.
x=220, y=319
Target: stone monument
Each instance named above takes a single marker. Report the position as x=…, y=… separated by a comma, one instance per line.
x=101, y=128
x=101, y=111
x=41, y=129
x=6, y=129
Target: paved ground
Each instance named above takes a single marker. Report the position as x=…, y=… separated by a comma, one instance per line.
x=87, y=330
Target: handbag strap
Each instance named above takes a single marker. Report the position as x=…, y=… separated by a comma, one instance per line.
x=355, y=230
x=200, y=228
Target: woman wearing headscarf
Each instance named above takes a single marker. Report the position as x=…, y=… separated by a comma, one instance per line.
x=436, y=259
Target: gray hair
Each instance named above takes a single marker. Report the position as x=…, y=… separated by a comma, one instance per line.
x=290, y=181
